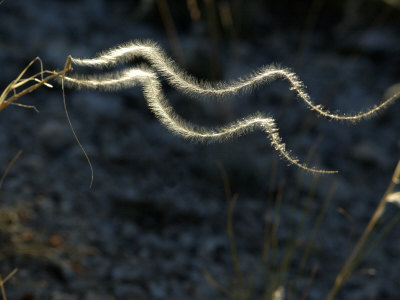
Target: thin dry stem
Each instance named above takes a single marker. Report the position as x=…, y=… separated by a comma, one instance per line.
x=309, y=283
x=349, y=265
x=75, y=135
x=3, y=281
x=10, y=164
x=3, y=292
x=231, y=200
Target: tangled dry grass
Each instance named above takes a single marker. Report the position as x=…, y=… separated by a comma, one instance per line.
x=162, y=65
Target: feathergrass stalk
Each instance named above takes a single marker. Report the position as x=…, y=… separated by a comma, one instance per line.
x=150, y=83
x=160, y=64
x=349, y=265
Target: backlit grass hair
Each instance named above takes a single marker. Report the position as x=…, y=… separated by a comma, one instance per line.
x=160, y=64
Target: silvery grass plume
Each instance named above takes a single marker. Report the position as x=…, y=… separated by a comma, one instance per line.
x=162, y=65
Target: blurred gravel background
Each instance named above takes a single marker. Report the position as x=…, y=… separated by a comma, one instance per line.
x=154, y=222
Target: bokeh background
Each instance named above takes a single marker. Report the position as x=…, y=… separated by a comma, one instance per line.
x=153, y=226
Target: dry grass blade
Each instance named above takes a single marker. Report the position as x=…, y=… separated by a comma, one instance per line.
x=3, y=292
x=231, y=200
x=18, y=82
x=8, y=277
x=315, y=229
x=11, y=163
x=309, y=283
x=3, y=281
x=215, y=284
